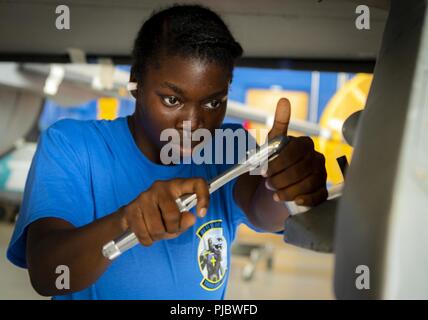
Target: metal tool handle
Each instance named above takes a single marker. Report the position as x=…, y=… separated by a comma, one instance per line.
x=126, y=241
x=116, y=247
x=294, y=208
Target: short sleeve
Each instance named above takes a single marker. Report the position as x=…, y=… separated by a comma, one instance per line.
x=57, y=185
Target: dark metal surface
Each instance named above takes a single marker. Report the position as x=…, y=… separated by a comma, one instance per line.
x=313, y=229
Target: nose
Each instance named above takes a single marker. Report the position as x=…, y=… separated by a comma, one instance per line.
x=193, y=116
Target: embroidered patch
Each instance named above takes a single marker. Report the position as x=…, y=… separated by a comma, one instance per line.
x=212, y=254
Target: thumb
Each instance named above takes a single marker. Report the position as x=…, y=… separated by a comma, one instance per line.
x=282, y=119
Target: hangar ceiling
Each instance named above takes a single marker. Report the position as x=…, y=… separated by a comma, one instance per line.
x=308, y=29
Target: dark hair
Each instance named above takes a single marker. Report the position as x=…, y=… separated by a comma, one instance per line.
x=186, y=30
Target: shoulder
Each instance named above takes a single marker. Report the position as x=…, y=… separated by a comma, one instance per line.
x=81, y=140
x=77, y=132
x=66, y=129
x=66, y=138
x=69, y=128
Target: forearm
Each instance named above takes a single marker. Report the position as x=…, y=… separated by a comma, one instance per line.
x=80, y=249
x=270, y=214
x=258, y=204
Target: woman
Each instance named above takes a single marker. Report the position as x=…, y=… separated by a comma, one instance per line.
x=90, y=181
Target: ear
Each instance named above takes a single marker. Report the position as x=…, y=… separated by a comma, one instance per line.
x=133, y=84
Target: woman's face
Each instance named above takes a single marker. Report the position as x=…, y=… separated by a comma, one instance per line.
x=177, y=90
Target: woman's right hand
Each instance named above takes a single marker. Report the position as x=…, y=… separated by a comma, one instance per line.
x=154, y=214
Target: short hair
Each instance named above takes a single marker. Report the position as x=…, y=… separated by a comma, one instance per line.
x=190, y=31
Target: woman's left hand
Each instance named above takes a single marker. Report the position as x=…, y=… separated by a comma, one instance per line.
x=298, y=173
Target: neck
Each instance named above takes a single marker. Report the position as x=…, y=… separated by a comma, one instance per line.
x=141, y=139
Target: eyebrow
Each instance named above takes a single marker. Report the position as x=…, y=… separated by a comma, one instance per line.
x=215, y=94
x=180, y=91
x=173, y=87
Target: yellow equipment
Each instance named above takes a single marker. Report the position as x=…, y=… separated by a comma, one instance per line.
x=351, y=97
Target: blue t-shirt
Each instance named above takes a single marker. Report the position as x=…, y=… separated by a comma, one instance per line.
x=85, y=170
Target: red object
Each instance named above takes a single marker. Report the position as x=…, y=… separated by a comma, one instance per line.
x=246, y=125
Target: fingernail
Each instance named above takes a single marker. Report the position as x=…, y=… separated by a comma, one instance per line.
x=202, y=212
x=268, y=186
x=276, y=197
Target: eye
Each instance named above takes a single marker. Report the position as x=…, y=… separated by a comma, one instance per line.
x=214, y=104
x=171, y=101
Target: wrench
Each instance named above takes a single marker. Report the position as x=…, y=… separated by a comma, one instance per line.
x=255, y=158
